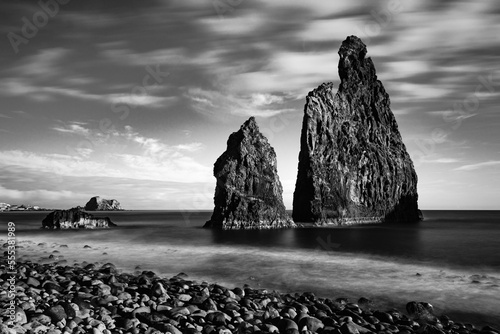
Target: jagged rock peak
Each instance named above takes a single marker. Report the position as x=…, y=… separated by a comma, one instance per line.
x=354, y=67
x=248, y=192
x=101, y=204
x=75, y=218
x=353, y=164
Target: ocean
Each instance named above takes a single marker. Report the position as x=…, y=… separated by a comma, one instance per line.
x=451, y=260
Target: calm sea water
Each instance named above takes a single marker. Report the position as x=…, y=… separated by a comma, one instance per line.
x=452, y=259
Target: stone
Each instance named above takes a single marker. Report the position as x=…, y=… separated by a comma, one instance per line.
x=383, y=317
x=286, y=324
x=312, y=323
x=248, y=193
x=353, y=165
x=75, y=218
x=349, y=328
x=33, y=282
x=100, y=204
x=169, y=328
x=21, y=318
x=56, y=313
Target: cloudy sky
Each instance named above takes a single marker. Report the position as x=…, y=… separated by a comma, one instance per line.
x=134, y=100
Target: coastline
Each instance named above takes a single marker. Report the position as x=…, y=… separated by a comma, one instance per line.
x=101, y=298
x=306, y=273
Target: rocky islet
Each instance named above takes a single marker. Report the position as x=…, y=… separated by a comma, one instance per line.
x=75, y=218
x=97, y=203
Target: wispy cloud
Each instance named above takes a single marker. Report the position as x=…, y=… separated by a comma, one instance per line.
x=441, y=161
x=73, y=128
x=33, y=196
x=480, y=165
x=45, y=64
x=22, y=87
x=219, y=104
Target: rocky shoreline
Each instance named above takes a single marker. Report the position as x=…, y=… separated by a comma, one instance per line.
x=97, y=298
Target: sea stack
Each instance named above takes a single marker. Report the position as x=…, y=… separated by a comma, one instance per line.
x=248, y=193
x=100, y=204
x=353, y=164
x=75, y=218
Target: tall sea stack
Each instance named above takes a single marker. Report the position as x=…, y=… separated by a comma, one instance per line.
x=248, y=193
x=353, y=164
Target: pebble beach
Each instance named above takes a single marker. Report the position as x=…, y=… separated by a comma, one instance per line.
x=52, y=296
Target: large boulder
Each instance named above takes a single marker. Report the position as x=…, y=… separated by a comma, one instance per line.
x=75, y=218
x=248, y=193
x=100, y=204
x=353, y=164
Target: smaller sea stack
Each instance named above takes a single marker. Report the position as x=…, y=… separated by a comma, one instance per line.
x=248, y=194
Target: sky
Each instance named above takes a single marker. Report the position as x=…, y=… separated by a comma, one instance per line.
x=135, y=100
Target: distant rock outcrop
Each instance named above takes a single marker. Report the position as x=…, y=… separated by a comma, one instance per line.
x=4, y=206
x=248, y=193
x=75, y=218
x=353, y=164
x=100, y=204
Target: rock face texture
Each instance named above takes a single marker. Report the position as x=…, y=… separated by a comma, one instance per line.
x=248, y=193
x=75, y=218
x=353, y=164
x=100, y=204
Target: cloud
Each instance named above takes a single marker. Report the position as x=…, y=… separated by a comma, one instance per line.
x=45, y=64
x=288, y=71
x=54, y=163
x=219, y=104
x=193, y=147
x=331, y=29
x=480, y=165
x=165, y=56
x=245, y=24
x=74, y=128
x=144, y=100
x=21, y=87
x=33, y=196
x=440, y=161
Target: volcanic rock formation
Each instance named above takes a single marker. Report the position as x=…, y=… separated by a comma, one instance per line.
x=75, y=218
x=248, y=193
x=100, y=204
x=353, y=164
